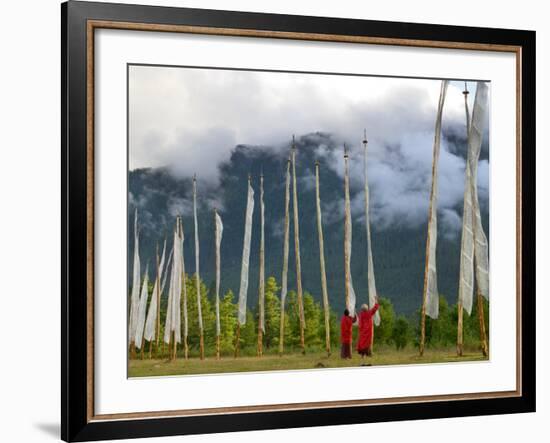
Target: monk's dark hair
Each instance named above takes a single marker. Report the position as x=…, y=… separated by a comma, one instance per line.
x=346, y=312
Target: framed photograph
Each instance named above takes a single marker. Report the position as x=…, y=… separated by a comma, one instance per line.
x=276, y=221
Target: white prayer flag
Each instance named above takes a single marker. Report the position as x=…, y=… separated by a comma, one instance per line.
x=173, y=313
x=151, y=323
x=474, y=242
x=284, y=278
x=141, y=310
x=134, y=299
x=432, y=294
x=348, y=240
x=197, y=274
x=370, y=262
x=246, y=255
x=261, y=285
x=218, y=239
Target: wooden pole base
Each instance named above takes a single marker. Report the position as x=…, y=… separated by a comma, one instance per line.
x=260, y=343
x=460, y=333
x=237, y=340
x=202, y=346
x=217, y=347
x=422, y=335
x=302, y=340
x=132, y=351
x=482, y=331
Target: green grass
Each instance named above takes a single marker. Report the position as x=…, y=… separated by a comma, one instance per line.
x=313, y=360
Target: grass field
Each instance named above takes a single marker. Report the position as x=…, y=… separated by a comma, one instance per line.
x=317, y=360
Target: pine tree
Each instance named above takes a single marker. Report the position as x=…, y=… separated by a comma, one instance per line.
x=383, y=332
x=249, y=335
x=272, y=313
x=228, y=322
x=292, y=322
x=208, y=317
x=314, y=318
x=400, y=333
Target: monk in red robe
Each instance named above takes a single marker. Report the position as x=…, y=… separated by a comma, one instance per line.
x=364, y=343
x=346, y=325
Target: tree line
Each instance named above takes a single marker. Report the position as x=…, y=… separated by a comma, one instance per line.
x=396, y=331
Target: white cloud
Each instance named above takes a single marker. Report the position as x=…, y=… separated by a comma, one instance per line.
x=191, y=119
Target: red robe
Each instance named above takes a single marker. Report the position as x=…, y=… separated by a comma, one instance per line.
x=365, y=328
x=346, y=325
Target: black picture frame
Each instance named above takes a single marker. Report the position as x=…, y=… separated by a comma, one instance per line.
x=76, y=422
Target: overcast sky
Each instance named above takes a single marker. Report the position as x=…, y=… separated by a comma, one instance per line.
x=190, y=120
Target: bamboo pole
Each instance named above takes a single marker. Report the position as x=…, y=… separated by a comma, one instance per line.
x=157, y=331
x=437, y=138
x=460, y=333
x=237, y=339
x=482, y=331
x=184, y=299
x=346, y=230
x=481, y=317
x=197, y=275
x=284, y=279
x=426, y=270
x=480, y=310
x=217, y=241
x=282, y=330
x=460, y=307
x=297, y=249
x=132, y=350
x=322, y=260
x=261, y=285
x=370, y=270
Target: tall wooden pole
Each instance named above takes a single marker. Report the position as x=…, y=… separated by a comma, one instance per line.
x=284, y=279
x=482, y=331
x=197, y=275
x=261, y=285
x=322, y=260
x=245, y=271
x=237, y=340
x=480, y=310
x=218, y=232
x=175, y=346
x=460, y=333
x=426, y=271
x=373, y=296
x=157, y=331
x=431, y=215
x=347, y=275
x=460, y=306
x=184, y=297
x=423, y=310
x=297, y=249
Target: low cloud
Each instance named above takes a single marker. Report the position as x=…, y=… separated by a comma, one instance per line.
x=190, y=120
